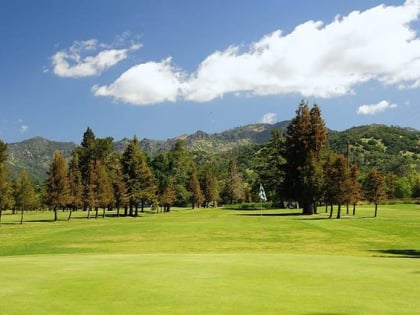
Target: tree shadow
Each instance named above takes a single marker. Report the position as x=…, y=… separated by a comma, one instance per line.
x=271, y=214
x=400, y=253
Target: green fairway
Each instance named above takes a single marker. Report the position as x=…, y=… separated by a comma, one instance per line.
x=213, y=261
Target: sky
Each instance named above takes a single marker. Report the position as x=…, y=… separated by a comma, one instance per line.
x=160, y=68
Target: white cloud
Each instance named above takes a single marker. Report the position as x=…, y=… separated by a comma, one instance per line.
x=372, y=109
x=83, y=59
x=315, y=59
x=144, y=84
x=24, y=128
x=269, y=118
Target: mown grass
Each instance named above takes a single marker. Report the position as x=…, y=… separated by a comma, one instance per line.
x=212, y=261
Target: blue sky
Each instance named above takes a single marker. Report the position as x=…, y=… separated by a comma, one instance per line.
x=159, y=69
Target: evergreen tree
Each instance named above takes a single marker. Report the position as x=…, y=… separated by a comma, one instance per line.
x=209, y=186
x=306, y=137
x=139, y=178
x=233, y=184
x=26, y=194
x=90, y=193
x=179, y=169
x=374, y=188
x=75, y=184
x=271, y=167
x=169, y=196
x=104, y=188
x=6, y=201
x=57, y=188
x=120, y=191
x=195, y=190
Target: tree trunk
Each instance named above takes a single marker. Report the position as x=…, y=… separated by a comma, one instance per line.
x=339, y=211
x=326, y=207
x=331, y=210
x=354, y=209
x=142, y=206
x=118, y=211
x=376, y=210
x=55, y=214
x=96, y=212
x=309, y=208
x=347, y=208
x=70, y=213
x=21, y=216
x=88, y=211
x=136, y=213
x=103, y=212
x=0, y=215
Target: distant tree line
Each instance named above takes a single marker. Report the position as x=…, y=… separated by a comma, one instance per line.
x=295, y=168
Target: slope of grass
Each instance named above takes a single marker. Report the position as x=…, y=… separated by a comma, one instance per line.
x=213, y=261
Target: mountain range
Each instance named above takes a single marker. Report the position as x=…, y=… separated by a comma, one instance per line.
x=370, y=144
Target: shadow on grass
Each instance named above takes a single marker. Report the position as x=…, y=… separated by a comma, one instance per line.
x=400, y=253
x=271, y=214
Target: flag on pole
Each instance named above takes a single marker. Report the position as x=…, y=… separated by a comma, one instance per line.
x=263, y=197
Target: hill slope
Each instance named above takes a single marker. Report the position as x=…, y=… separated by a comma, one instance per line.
x=384, y=147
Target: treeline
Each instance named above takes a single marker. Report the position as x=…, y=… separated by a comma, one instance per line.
x=294, y=168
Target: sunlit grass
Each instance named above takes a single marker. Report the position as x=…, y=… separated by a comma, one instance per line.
x=212, y=261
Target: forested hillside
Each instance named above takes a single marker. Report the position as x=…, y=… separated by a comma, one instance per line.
x=390, y=149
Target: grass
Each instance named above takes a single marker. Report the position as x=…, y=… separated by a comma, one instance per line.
x=212, y=261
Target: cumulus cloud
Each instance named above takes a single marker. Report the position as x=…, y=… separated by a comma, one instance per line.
x=88, y=58
x=372, y=109
x=144, y=84
x=269, y=118
x=315, y=59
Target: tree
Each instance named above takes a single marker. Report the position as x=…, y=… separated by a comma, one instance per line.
x=104, y=189
x=179, y=169
x=57, y=188
x=233, y=184
x=25, y=194
x=338, y=184
x=209, y=186
x=271, y=167
x=139, y=178
x=169, y=196
x=90, y=192
x=196, y=193
x=355, y=191
x=306, y=138
x=374, y=188
x=75, y=184
x=120, y=191
x=6, y=200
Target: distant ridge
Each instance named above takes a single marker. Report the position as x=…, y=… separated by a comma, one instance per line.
x=380, y=143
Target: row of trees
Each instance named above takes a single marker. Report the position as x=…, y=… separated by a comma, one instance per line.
x=296, y=166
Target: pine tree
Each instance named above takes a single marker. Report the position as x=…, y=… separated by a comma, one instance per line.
x=209, y=186
x=306, y=138
x=6, y=201
x=57, y=188
x=271, y=167
x=233, y=184
x=26, y=194
x=139, y=179
x=104, y=190
x=195, y=190
x=75, y=184
x=90, y=193
x=169, y=196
